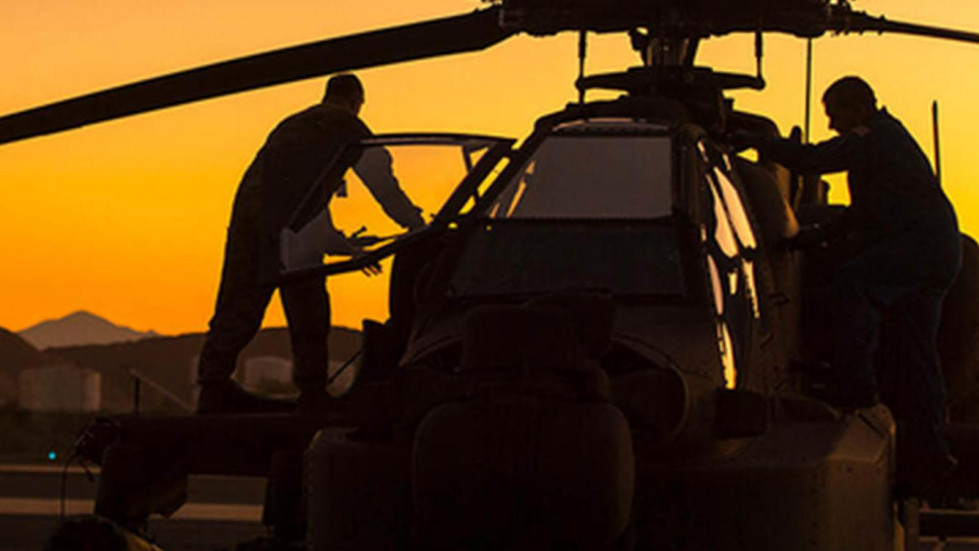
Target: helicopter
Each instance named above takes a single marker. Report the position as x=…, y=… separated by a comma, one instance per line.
x=576, y=357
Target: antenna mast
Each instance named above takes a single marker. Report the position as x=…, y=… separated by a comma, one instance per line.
x=805, y=134
x=582, y=54
x=934, y=132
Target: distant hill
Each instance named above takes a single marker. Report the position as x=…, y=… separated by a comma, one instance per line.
x=16, y=354
x=79, y=328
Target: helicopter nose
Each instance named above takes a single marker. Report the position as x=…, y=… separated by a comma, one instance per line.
x=539, y=414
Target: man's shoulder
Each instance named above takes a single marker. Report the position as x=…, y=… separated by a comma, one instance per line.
x=296, y=121
x=330, y=116
x=883, y=121
x=324, y=120
x=888, y=132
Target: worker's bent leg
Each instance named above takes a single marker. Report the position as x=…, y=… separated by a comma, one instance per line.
x=923, y=407
x=307, y=308
x=916, y=259
x=241, y=303
x=856, y=328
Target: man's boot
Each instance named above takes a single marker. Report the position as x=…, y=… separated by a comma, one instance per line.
x=824, y=383
x=226, y=396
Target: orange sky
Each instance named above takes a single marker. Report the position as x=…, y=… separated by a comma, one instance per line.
x=127, y=218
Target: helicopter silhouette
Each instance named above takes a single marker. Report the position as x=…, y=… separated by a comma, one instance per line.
x=593, y=345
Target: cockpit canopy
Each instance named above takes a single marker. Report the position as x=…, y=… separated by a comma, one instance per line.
x=612, y=171
x=590, y=208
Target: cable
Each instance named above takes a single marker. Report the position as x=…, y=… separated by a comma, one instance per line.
x=344, y=367
x=64, y=486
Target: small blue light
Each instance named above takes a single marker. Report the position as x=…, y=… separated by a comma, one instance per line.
x=52, y=456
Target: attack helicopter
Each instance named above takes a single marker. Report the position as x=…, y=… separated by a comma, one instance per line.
x=593, y=345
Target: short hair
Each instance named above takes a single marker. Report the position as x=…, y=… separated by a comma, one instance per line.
x=344, y=86
x=851, y=91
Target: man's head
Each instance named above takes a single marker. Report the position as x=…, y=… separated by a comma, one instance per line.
x=346, y=91
x=849, y=102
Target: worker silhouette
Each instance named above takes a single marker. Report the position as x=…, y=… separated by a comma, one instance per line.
x=908, y=252
x=300, y=167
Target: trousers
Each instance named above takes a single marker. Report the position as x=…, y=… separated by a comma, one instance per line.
x=906, y=274
x=244, y=293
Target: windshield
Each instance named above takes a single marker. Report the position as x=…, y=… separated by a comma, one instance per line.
x=586, y=211
x=390, y=186
x=592, y=177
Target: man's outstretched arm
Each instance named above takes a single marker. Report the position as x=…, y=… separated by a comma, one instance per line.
x=834, y=155
x=374, y=169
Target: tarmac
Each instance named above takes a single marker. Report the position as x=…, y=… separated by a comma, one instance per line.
x=221, y=510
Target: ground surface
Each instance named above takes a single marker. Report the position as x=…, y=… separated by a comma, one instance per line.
x=221, y=511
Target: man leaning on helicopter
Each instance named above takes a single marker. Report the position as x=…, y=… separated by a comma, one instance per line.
x=908, y=254
x=304, y=156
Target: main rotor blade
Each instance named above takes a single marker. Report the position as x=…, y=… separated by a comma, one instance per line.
x=861, y=22
x=438, y=37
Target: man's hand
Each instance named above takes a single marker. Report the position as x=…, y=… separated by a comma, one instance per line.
x=416, y=222
x=372, y=270
x=359, y=240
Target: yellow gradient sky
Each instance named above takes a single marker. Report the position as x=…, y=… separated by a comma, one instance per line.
x=127, y=218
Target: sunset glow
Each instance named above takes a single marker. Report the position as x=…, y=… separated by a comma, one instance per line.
x=127, y=218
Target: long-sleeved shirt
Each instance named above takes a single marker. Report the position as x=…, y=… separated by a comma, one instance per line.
x=892, y=186
x=309, y=149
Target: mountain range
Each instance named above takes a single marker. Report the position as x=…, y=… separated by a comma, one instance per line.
x=79, y=328
x=168, y=362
